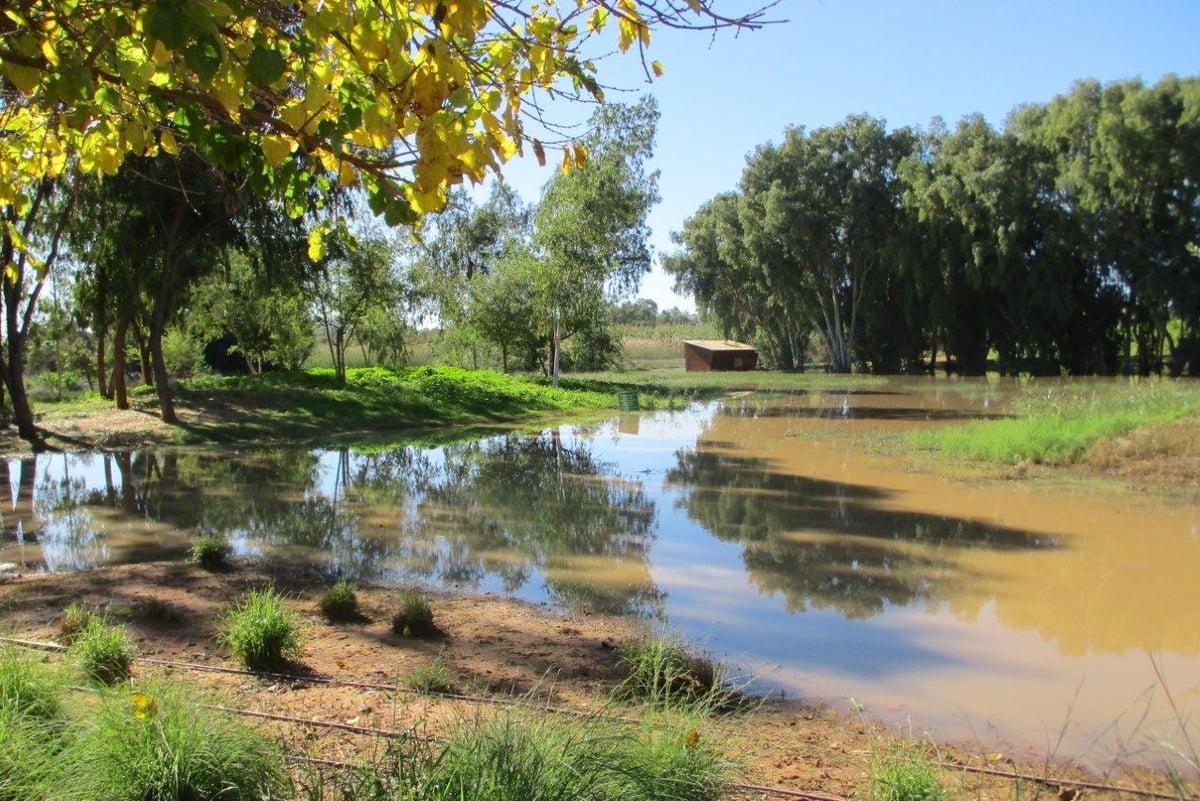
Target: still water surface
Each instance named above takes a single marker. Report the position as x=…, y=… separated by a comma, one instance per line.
x=1008, y=614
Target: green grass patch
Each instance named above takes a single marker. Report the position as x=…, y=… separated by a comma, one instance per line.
x=902, y=775
x=1060, y=424
x=414, y=618
x=104, y=652
x=434, y=678
x=74, y=619
x=211, y=553
x=339, y=603
x=663, y=673
x=262, y=631
x=29, y=688
x=159, y=745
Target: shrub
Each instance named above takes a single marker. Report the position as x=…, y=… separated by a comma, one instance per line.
x=262, y=631
x=415, y=618
x=105, y=653
x=339, y=602
x=211, y=553
x=434, y=678
x=156, y=745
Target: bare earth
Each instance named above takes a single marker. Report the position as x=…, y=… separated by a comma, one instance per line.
x=503, y=651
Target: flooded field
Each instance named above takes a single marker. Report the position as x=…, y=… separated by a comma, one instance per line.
x=1009, y=613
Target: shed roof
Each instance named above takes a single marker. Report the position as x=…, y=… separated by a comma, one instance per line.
x=717, y=344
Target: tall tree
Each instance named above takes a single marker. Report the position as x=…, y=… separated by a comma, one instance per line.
x=589, y=231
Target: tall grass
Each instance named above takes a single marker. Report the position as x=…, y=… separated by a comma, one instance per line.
x=1060, y=424
x=900, y=774
x=104, y=652
x=158, y=745
x=30, y=688
x=515, y=756
x=662, y=673
x=262, y=631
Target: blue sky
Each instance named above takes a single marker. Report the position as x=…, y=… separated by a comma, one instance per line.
x=905, y=62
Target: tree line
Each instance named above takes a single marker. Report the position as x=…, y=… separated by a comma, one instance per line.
x=1064, y=242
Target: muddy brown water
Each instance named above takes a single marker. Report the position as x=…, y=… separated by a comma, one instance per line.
x=1015, y=615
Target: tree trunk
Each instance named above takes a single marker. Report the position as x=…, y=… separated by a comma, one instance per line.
x=119, y=389
x=166, y=402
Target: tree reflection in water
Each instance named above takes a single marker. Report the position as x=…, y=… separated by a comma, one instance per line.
x=824, y=544
x=507, y=510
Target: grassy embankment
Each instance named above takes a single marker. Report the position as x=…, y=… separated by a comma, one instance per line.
x=1070, y=423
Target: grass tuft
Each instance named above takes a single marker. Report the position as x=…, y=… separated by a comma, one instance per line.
x=415, y=618
x=433, y=679
x=104, y=652
x=157, y=745
x=75, y=618
x=339, y=603
x=665, y=674
x=211, y=553
x=262, y=631
x=902, y=775
x=30, y=688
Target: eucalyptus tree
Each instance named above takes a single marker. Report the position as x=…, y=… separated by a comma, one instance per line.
x=589, y=231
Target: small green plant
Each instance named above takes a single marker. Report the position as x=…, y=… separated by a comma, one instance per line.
x=158, y=745
x=75, y=618
x=664, y=673
x=104, y=652
x=339, y=602
x=902, y=775
x=211, y=553
x=434, y=679
x=262, y=631
x=415, y=618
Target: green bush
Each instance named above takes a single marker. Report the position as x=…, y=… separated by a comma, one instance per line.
x=211, y=553
x=339, y=602
x=415, y=618
x=158, y=745
x=104, y=652
x=262, y=631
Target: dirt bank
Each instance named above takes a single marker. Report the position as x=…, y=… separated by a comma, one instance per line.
x=499, y=649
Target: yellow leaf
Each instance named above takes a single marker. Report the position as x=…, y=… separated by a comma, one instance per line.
x=277, y=149
x=316, y=243
x=657, y=67
x=49, y=52
x=167, y=140
x=581, y=155
x=346, y=174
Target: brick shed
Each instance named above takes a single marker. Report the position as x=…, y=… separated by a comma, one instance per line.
x=702, y=355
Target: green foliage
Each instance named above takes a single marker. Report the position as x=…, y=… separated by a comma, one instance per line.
x=434, y=678
x=27, y=757
x=513, y=756
x=665, y=674
x=29, y=688
x=1059, y=426
x=905, y=776
x=339, y=602
x=183, y=352
x=159, y=745
x=262, y=631
x=415, y=616
x=104, y=652
x=211, y=553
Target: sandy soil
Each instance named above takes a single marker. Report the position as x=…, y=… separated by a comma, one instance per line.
x=501, y=650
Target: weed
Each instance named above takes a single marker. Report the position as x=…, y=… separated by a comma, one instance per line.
x=27, y=757
x=105, y=652
x=434, y=678
x=902, y=775
x=157, y=744
x=339, y=602
x=75, y=618
x=415, y=618
x=262, y=631
x=211, y=553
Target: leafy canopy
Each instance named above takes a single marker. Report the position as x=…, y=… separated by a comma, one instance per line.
x=402, y=98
